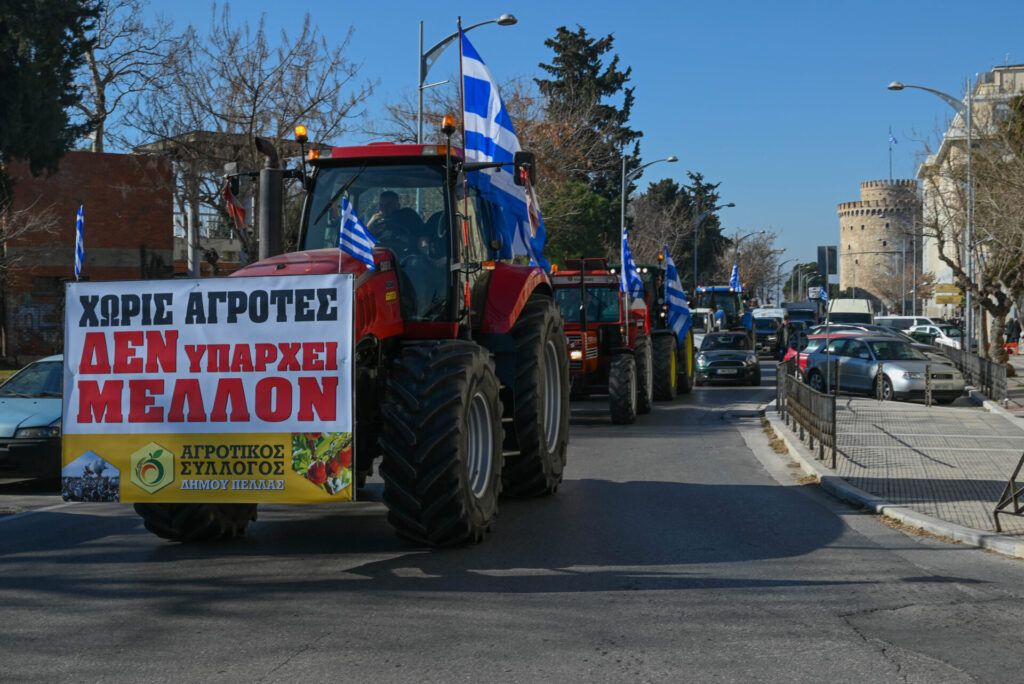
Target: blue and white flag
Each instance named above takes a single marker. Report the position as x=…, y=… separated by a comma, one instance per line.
x=679, y=318
x=79, y=240
x=629, y=279
x=353, y=237
x=490, y=137
x=823, y=294
x=892, y=140
x=734, y=279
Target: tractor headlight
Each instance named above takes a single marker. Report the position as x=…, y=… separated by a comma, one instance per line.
x=576, y=355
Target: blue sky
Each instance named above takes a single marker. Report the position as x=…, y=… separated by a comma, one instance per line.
x=784, y=103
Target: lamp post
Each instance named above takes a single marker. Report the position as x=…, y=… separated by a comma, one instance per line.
x=779, y=293
x=626, y=180
x=696, y=234
x=965, y=115
x=428, y=58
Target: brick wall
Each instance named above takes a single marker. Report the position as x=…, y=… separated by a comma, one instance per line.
x=128, y=236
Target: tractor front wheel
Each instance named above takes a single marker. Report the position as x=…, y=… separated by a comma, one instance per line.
x=540, y=402
x=665, y=371
x=685, y=364
x=196, y=522
x=441, y=441
x=622, y=389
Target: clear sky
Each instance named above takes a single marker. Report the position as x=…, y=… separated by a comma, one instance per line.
x=784, y=103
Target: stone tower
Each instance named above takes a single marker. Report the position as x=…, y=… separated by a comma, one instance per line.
x=874, y=235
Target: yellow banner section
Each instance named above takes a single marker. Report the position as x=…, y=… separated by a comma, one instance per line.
x=209, y=468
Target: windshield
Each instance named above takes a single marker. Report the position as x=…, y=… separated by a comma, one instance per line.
x=726, y=301
x=766, y=324
x=602, y=304
x=725, y=342
x=44, y=379
x=403, y=208
x=950, y=331
x=895, y=350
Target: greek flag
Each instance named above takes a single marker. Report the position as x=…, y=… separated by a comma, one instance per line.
x=79, y=241
x=629, y=280
x=734, y=279
x=490, y=137
x=353, y=237
x=678, y=308
x=823, y=294
x=892, y=140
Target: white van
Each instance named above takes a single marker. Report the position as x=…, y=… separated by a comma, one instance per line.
x=850, y=311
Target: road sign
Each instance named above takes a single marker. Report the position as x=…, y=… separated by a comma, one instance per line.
x=947, y=288
x=955, y=300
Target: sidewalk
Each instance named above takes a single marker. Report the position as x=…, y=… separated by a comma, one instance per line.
x=939, y=468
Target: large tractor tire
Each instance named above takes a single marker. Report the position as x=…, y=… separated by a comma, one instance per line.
x=686, y=365
x=622, y=389
x=540, y=402
x=196, y=522
x=441, y=441
x=664, y=356
x=644, y=375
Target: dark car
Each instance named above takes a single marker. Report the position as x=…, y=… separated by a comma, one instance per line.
x=727, y=356
x=30, y=417
x=766, y=329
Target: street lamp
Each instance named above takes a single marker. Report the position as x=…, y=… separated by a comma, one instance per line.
x=428, y=58
x=778, y=279
x=696, y=234
x=965, y=115
x=626, y=179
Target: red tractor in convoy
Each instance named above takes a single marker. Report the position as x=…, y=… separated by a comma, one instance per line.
x=609, y=345
x=461, y=371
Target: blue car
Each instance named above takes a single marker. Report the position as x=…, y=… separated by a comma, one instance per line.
x=31, y=402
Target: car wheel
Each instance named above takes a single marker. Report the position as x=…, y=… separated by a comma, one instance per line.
x=816, y=382
x=887, y=391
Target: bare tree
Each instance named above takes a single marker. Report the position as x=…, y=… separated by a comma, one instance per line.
x=756, y=261
x=234, y=85
x=128, y=59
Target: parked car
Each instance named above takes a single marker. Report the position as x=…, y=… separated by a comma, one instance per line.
x=31, y=402
x=903, y=322
x=727, y=356
x=929, y=350
x=948, y=335
x=903, y=369
x=802, y=346
x=766, y=330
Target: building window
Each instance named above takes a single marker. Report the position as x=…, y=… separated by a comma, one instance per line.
x=886, y=224
x=883, y=243
x=862, y=227
x=856, y=261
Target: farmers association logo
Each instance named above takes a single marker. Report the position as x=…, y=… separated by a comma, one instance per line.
x=152, y=468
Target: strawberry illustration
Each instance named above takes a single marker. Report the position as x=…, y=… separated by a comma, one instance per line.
x=333, y=468
x=344, y=457
x=316, y=473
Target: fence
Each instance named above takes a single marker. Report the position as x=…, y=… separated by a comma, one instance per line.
x=987, y=376
x=812, y=412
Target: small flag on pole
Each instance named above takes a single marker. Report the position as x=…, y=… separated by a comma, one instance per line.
x=79, y=241
x=235, y=208
x=734, y=279
x=630, y=281
x=679, y=318
x=893, y=140
x=353, y=237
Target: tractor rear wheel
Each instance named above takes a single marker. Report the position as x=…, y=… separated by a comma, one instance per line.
x=196, y=522
x=441, y=440
x=622, y=389
x=644, y=375
x=540, y=402
x=664, y=352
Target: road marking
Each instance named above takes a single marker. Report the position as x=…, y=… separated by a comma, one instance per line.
x=35, y=510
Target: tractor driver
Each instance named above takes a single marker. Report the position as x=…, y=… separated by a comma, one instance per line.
x=395, y=226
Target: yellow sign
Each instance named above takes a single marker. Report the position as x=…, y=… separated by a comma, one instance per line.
x=152, y=468
x=955, y=300
x=947, y=288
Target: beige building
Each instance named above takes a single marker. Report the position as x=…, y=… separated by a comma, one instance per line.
x=877, y=244
x=942, y=173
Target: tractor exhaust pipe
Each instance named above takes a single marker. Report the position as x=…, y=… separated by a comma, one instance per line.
x=271, y=194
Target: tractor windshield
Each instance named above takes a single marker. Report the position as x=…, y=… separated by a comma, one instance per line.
x=602, y=304
x=403, y=207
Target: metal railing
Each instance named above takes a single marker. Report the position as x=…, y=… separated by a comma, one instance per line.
x=813, y=413
x=987, y=376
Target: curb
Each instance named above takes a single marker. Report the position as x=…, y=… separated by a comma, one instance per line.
x=843, y=490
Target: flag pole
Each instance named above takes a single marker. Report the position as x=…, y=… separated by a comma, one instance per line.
x=890, y=154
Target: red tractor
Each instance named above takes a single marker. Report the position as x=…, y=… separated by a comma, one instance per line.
x=461, y=372
x=609, y=345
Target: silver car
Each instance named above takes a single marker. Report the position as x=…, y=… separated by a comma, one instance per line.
x=903, y=369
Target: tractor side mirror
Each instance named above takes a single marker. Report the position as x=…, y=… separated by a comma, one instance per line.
x=524, y=161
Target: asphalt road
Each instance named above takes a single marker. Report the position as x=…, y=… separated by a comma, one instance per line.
x=678, y=549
